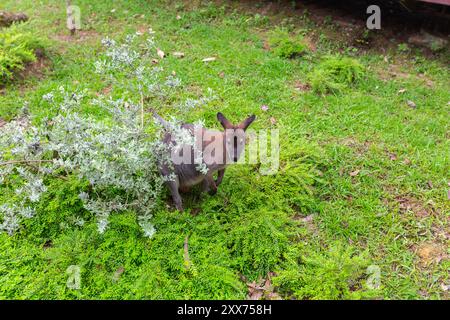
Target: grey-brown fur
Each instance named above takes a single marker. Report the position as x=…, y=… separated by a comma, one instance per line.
x=187, y=175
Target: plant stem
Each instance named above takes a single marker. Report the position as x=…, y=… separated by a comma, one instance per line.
x=22, y=161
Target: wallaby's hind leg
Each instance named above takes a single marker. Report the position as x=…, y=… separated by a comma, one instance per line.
x=220, y=174
x=209, y=185
x=173, y=187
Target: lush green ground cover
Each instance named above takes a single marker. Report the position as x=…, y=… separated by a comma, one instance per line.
x=363, y=176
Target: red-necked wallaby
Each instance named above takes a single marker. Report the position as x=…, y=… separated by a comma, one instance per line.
x=218, y=148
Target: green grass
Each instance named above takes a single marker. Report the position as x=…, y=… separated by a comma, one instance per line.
x=346, y=162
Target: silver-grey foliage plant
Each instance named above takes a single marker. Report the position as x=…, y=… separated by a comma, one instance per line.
x=116, y=155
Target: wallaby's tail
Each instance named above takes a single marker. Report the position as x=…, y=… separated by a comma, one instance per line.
x=160, y=120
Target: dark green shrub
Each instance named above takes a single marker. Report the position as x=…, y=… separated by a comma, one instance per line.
x=285, y=45
x=337, y=273
x=17, y=48
x=258, y=241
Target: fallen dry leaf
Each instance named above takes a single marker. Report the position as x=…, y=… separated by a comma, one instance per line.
x=262, y=289
x=407, y=161
x=187, y=261
x=155, y=61
x=255, y=292
x=209, y=59
x=178, y=17
x=118, y=273
x=160, y=53
x=221, y=74
x=354, y=173
x=402, y=91
x=273, y=120
x=302, y=86
x=392, y=156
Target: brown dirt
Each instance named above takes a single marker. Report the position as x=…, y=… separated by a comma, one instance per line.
x=360, y=148
x=308, y=222
x=430, y=253
x=262, y=289
x=407, y=203
x=36, y=69
x=79, y=36
x=301, y=86
x=347, y=23
x=392, y=72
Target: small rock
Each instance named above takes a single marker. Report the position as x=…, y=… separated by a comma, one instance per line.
x=273, y=120
x=178, y=54
x=160, y=53
x=411, y=104
x=354, y=173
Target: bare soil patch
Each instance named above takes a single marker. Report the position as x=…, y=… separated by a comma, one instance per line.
x=430, y=253
x=78, y=37
x=407, y=203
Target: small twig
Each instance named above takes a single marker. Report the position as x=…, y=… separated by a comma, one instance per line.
x=187, y=261
x=22, y=161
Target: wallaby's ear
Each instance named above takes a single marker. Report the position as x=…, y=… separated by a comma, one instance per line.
x=224, y=121
x=244, y=124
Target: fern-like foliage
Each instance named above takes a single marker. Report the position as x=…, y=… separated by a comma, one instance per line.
x=17, y=48
x=334, y=73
